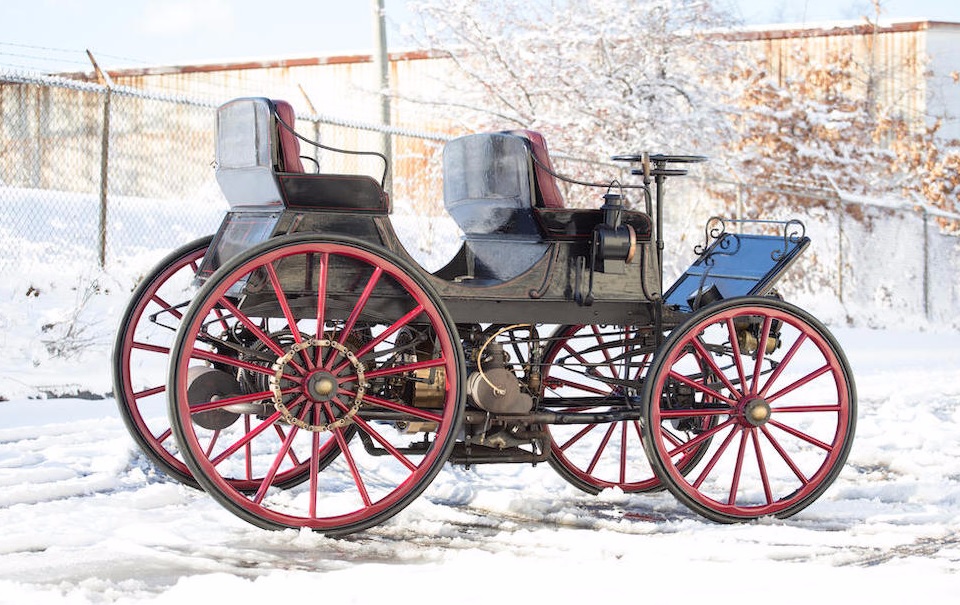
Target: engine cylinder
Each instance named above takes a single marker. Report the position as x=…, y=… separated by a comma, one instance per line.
x=496, y=389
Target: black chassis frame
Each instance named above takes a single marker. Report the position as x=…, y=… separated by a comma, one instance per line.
x=553, y=289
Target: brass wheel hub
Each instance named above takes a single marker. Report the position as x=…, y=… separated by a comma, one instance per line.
x=319, y=386
x=757, y=412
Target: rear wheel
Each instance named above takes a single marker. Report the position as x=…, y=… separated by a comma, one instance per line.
x=141, y=355
x=781, y=398
x=141, y=360
x=331, y=355
x=590, y=368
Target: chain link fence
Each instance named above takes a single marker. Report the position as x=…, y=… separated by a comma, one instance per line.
x=101, y=173
x=109, y=169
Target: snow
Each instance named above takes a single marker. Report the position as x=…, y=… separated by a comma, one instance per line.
x=86, y=519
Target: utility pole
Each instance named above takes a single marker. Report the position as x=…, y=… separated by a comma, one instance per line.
x=381, y=62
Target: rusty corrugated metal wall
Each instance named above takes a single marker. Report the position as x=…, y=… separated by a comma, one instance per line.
x=894, y=54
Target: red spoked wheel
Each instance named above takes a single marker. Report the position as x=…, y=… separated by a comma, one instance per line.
x=141, y=359
x=783, y=400
x=597, y=369
x=141, y=355
x=333, y=355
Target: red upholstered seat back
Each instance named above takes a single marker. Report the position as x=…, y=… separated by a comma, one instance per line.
x=548, y=193
x=289, y=145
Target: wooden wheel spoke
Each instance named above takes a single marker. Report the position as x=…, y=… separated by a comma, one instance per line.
x=737, y=354
x=213, y=442
x=351, y=462
x=390, y=331
x=783, y=364
x=360, y=305
x=801, y=435
x=692, y=413
x=738, y=468
x=249, y=436
x=623, y=452
x=799, y=383
x=314, y=465
x=684, y=447
x=396, y=407
x=151, y=391
x=322, y=266
x=166, y=307
x=708, y=468
x=787, y=459
x=832, y=408
x=254, y=329
x=761, y=467
x=603, y=444
x=144, y=346
x=672, y=439
x=707, y=358
x=228, y=401
x=761, y=353
x=203, y=355
x=699, y=386
x=367, y=428
x=277, y=460
x=590, y=368
x=604, y=351
x=581, y=387
x=290, y=454
x=287, y=311
x=578, y=436
x=398, y=369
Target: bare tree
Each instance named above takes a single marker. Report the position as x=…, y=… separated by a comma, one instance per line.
x=597, y=77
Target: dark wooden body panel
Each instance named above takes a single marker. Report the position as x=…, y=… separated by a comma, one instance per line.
x=547, y=293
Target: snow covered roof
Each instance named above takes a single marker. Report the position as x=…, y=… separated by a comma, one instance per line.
x=835, y=28
x=755, y=32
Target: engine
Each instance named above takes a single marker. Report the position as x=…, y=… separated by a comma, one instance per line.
x=495, y=388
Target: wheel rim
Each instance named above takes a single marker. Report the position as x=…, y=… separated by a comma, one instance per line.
x=784, y=414
x=142, y=352
x=335, y=390
x=584, y=361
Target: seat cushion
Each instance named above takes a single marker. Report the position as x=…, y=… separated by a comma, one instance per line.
x=548, y=193
x=289, y=144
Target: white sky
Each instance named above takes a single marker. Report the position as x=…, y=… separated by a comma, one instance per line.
x=51, y=35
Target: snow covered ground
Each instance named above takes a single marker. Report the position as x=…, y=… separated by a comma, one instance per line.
x=84, y=518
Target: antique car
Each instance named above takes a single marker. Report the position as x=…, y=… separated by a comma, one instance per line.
x=304, y=370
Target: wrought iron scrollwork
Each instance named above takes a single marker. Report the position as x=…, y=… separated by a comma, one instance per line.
x=715, y=230
x=793, y=232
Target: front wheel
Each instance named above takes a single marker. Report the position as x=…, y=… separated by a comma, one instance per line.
x=330, y=356
x=781, y=398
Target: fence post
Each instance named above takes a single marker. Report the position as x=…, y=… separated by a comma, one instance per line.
x=840, y=248
x=104, y=159
x=926, y=262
